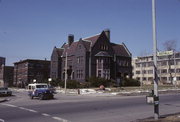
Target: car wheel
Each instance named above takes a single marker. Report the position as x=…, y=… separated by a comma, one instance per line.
x=52, y=97
x=31, y=97
x=41, y=97
x=10, y=94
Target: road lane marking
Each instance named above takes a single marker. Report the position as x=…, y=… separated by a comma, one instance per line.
x=44, y=114
x=1, y=120
x=30, y=110
x=9, y=105
x=27, y=109
x=60, y=119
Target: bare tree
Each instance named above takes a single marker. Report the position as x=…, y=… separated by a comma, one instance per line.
x=170, y=45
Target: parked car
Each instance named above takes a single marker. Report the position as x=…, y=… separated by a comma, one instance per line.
x=53, y=89
x=4, y=91
x=40, y=90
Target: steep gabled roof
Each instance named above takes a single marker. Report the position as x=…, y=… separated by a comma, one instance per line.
x=92, y=39
x=59, y=51
x=120, y=50
x=86, y=42
x=70, y=50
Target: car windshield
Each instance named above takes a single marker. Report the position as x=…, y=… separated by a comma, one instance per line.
x=3, y=88
x=41, y=86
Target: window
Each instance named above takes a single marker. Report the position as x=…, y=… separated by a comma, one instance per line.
x=143, y=64
x=171, y=70
x=178, y=78
x=80, y=59
x=164, y=78
x=106, y=74
x=164, y=71
x=177, y=62
x=170, y=78
x=150, y=71
x=150, y=78
x=79, y=74
x=137, y=72
x=144, y=78
x=163, y=63
x=99, y=73
x=137, y=65
x=138, y=78
x=144, y=71
x=103, y=47
x=150, y=64
x=177, y=70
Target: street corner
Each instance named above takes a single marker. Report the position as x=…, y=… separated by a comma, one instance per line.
x=3, y=100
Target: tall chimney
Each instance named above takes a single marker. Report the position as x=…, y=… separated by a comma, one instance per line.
x=70, y=39
x=107, y=32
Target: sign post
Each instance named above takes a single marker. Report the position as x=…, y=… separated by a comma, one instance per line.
x=156, y=97
x=165, y=53
x=49, y=79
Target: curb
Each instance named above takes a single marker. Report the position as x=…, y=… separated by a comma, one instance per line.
x=3, y=100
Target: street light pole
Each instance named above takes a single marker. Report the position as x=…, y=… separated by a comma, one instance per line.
x=156, y=97
x=175, y=80
x=65, y=74
x=49, y=81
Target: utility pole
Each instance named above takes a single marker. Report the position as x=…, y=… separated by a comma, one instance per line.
x=65, y=74
x=175, y=80
x=156, y=97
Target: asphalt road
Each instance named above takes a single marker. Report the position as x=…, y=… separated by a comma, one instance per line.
x=68, y=108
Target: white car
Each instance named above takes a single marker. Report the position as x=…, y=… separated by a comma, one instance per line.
x=40, y=90
x=4, y=91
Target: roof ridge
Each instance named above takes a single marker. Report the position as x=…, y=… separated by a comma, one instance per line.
x=127, y=49
x=91, y=36
x=116, y=44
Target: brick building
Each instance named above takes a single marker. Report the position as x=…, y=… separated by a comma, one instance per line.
x=2, y=61
x=6, y=75
x=91, y=56
x=28, y=70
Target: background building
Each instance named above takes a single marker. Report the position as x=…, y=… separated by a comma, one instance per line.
x=2, y=61
x=6, y=76
x=56, y=60
x=28, y=70
x=6, y=73
x=91, y=56
x=168, y=67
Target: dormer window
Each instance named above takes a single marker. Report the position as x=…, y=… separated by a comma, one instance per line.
x=104, y=47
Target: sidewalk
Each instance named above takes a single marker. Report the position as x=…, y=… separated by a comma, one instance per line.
x=93, y=92
x=165, y=118
x=107, y=92
x=2, y=99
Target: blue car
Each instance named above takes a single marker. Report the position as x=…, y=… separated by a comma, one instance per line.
x=40, y=90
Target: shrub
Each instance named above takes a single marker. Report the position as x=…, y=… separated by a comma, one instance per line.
x=55, y=82
x=130, y=82
x=73, y=84
x=96, y=82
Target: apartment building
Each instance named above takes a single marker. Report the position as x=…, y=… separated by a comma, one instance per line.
x=26, y=71
x=168, y=67
x=2, y=61
x=6, y=76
